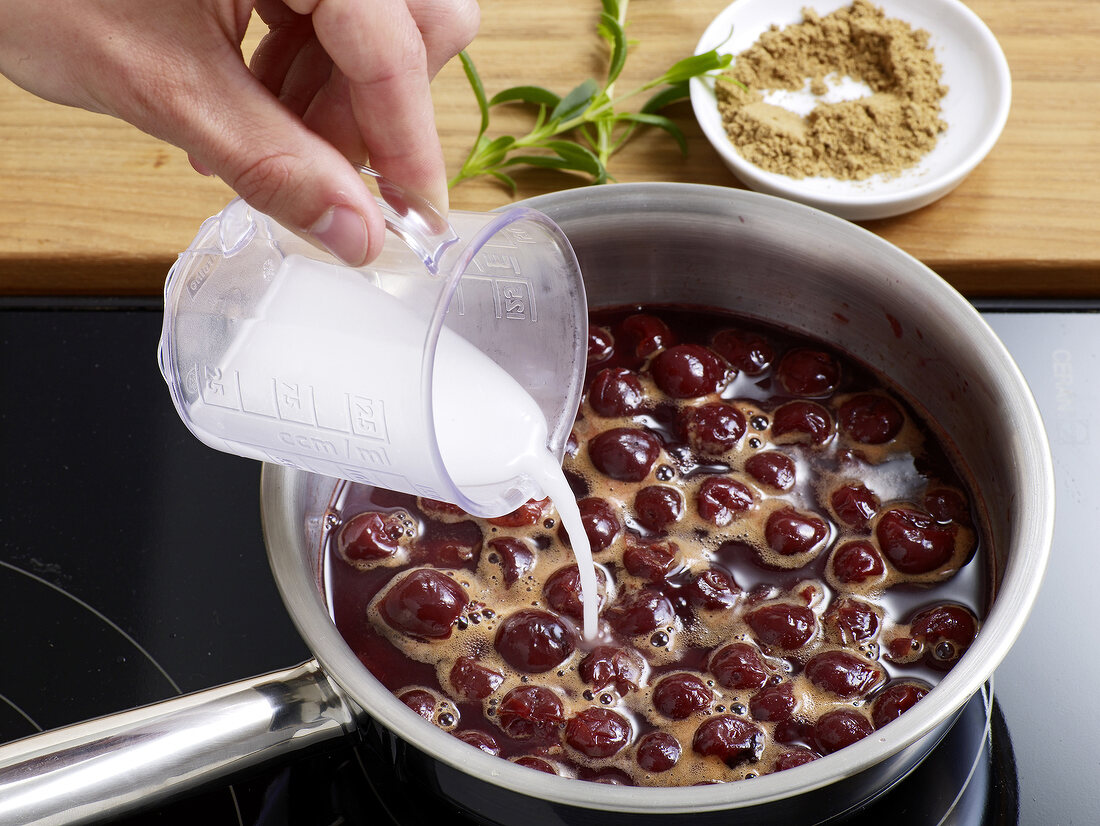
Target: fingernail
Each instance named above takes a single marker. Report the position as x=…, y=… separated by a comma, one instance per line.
x=343, y=232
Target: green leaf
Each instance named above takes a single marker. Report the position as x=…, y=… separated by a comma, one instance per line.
x=479, y=90
x=526, y=94
x=494, y=151
x=693, y=66
x=574, y=103
x=611, y=8
x=660, y=122
x=582, y=157
x=612, y=32
x=666, y=97
x=507, y=180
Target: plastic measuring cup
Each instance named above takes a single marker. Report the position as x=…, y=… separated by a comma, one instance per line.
x=434, y=370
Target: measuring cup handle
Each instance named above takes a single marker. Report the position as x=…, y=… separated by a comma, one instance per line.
x=414, y=220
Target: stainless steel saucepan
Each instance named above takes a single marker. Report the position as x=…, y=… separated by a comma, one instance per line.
x=668, y=243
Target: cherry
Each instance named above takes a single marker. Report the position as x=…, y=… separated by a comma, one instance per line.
x=658, y=506
x=597, y=732
x=534, y=641
x=782, y=625
x=437, y=507
x=853, y=620
x=615, y=391
x=800, y=421
x=563, y=591
x=479, y=739
x=537, y=763
x=748, y=352
x=606, y=665
x=894, y=700
x=946, y=505
x=641, y=612
x=914, y=542
x=624, y=453
x=648, y=332
x=712, y=429
x=946, y=632
x=601, y=523
x=515, y=556
x=871, y=419
x=839, y=728
x=844, y=674
x=423, y=603
x=720, y=500
x=531, y=712
x=794, y=730
x=794, y=757
x=651, y=561
x=678, y=696
x=658, y=751
x=600, y=345
x=738, y=666
x=531, y=512
x=713, y=589
x=687, y=371
x=804, y=371
x=854, y=505
x=451, y=544
x=421, y=701
x=472, y=680
x=370, y=535
x=730, y=739
x=773, y=703
x=857, y=561
x=609, y=777
x=789, y=532
x=771, y=468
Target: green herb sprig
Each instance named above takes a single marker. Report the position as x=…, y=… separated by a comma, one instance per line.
x=580, y=131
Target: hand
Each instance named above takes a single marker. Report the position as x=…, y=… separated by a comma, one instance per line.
x=333, y=81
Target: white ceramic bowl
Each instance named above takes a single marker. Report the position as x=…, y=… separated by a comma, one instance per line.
x=975, y=107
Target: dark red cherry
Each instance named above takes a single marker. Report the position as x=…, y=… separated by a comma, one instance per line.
x=472, y=680
x=804, y=371
x=712, y=429
x=894, y=700
x=641, y=612
x=437, y=507
x=600, y=345
x=782, y=625
x=773, y=703
x=479, y=739
x=853, y=620
x=802, y=422
x=658, y=506
x=857, y=561
x=687, y=371
x=598, y=732
x=615, y=391
x=729, y=738
x=720, y=500
x=913, y=541
x=844, y=674
x=563, y=591
x=601, y=521
x=713, y=589
x=534, y=641
x=651, y=561
x=606, y=665
x=537, y=763
x=531, y=712
x=624, y=453
x=658, y=751
x=738, y=666
x=451, y=544
x=371, y=535
x=839, y=728
x=771, y=468
x=516, y=557
x=747, y=352
x=681, y=695
x=794, y=757
x=871, y=419
x=854, y=505
x=794, y=729
x=531, y=512
x=423, y=603
x=947, y=505
x=946, y=632
x=647, y=334
x=789, y=532
x=420, y=701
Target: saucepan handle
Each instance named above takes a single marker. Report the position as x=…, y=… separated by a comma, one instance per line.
x=114, y=764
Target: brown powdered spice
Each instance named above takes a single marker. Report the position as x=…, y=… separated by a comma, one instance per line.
x=885, y=132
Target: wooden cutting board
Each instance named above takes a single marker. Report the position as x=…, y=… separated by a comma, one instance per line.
x=89, y=205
